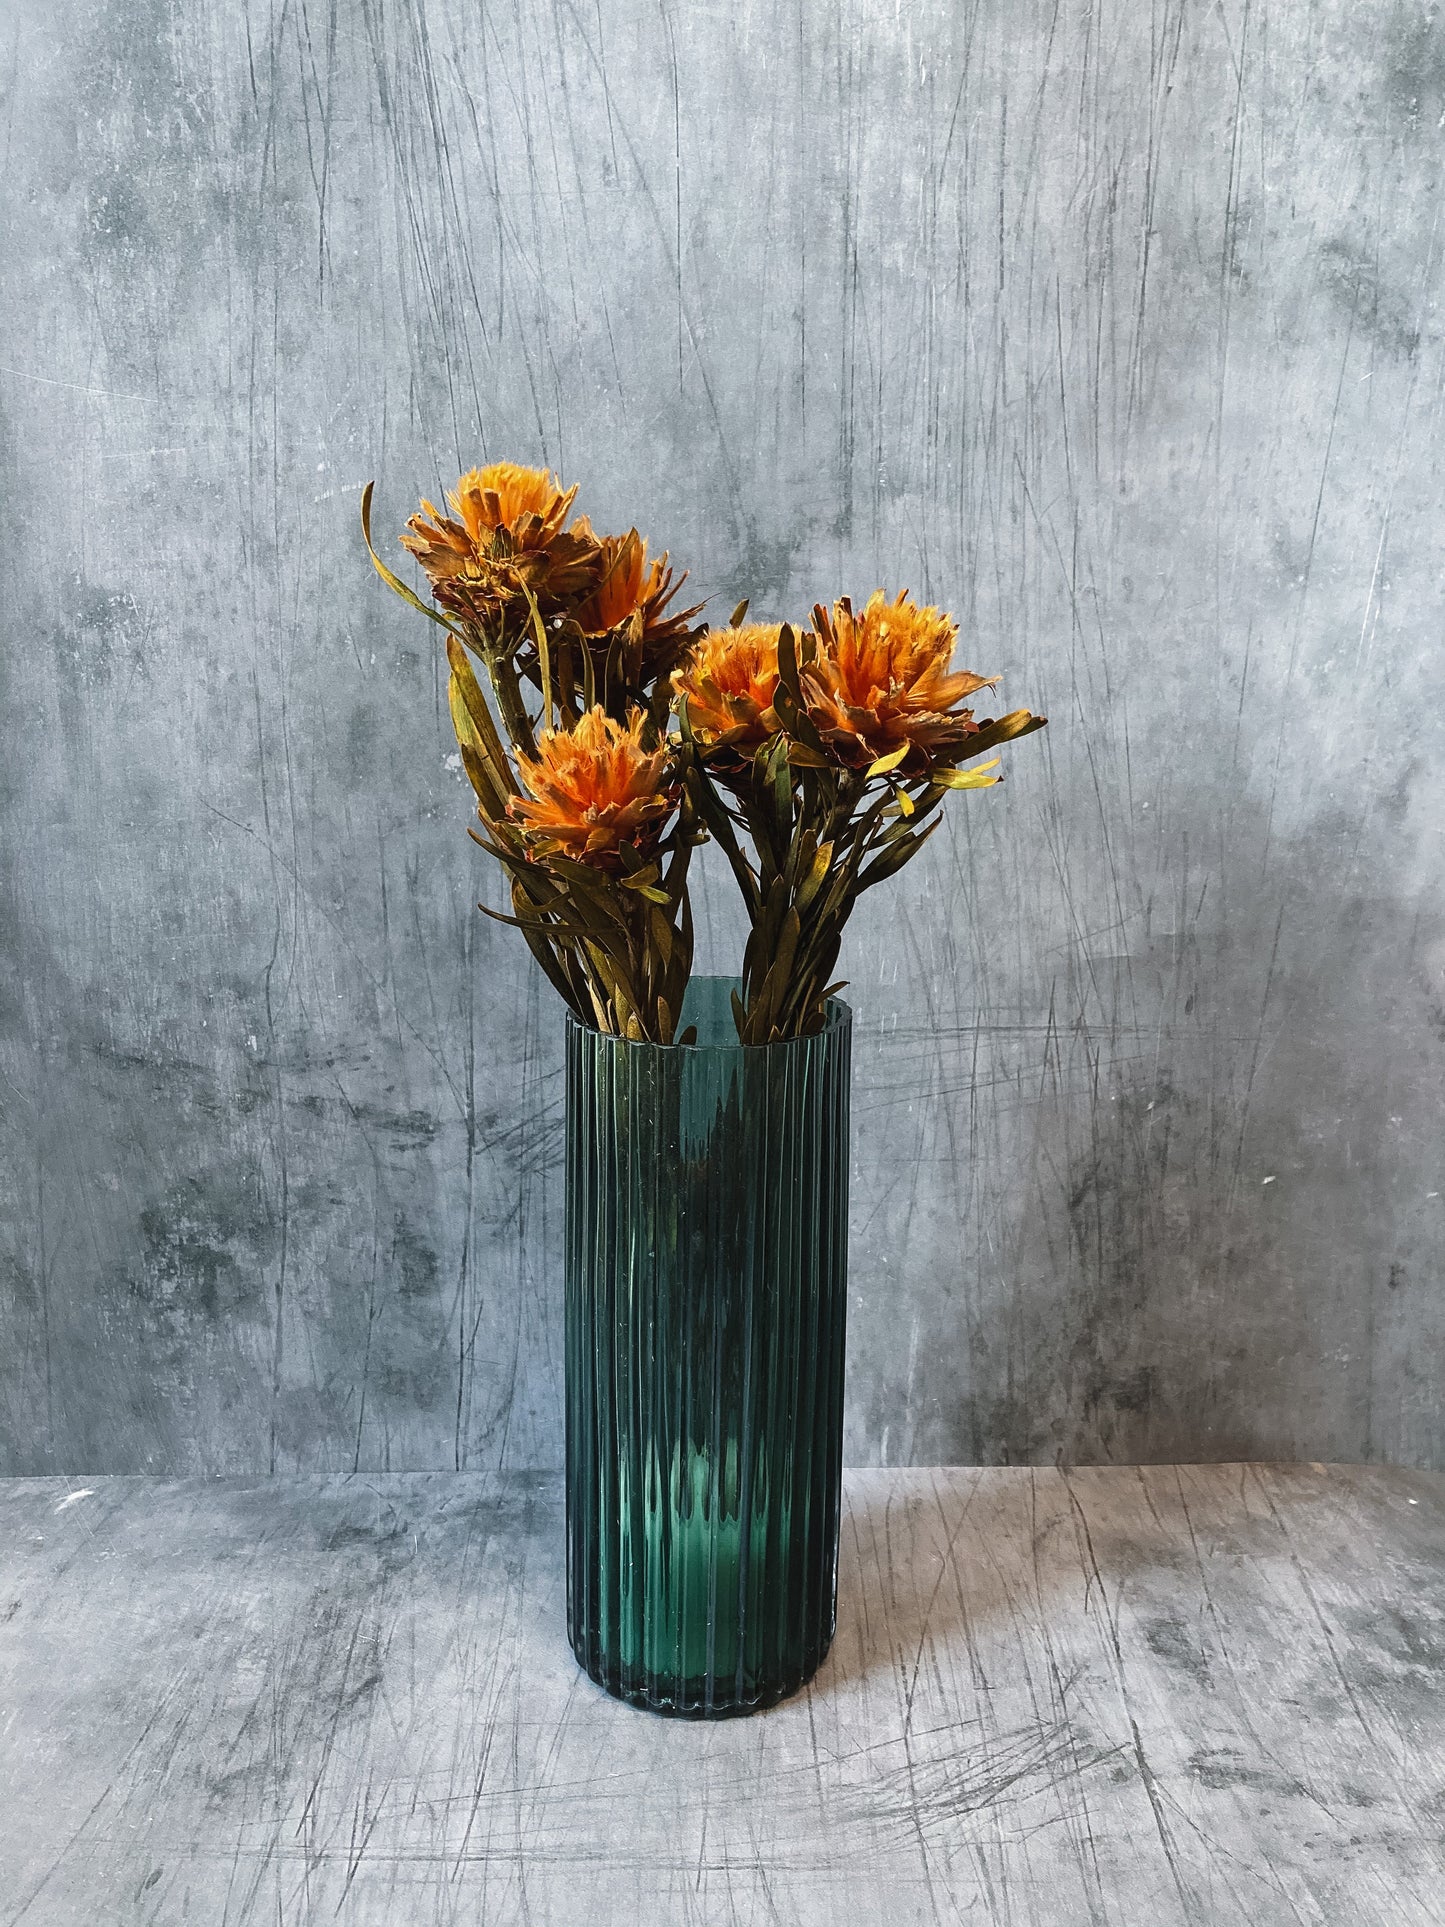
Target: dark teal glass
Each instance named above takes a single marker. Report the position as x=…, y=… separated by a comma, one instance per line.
x=707, y=1244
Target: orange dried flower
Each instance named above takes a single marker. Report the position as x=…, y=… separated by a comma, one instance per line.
x=595, y=789
x=504, y=539
x=528, y=501
x=729, y=682
x=618, y=592
x=631, y=589
x=880, y=682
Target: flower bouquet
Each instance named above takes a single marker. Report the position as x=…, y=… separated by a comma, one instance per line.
x=608, y=735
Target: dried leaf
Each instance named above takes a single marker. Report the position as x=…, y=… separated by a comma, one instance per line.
x=890, y=761
x=394, y=582
x=968, y=779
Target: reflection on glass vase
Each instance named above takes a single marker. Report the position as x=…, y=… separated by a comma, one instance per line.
x=707, y=1234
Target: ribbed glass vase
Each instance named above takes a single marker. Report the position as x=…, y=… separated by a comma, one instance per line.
x=707, y=1236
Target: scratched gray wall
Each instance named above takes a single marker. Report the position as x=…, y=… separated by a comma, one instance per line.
x=1117, y=328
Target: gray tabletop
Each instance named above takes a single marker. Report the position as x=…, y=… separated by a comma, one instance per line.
x=1169, y=1694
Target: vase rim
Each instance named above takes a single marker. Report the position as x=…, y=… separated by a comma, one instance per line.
x=839, y=1018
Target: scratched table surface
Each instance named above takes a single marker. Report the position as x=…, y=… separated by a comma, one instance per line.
x=1139, y=1695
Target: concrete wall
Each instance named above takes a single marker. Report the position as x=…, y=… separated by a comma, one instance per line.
x=1116, y=328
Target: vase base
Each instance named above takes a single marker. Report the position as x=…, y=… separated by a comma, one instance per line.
x=697, y=1703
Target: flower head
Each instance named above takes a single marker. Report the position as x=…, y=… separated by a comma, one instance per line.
x=880, y=681
x=528, y=501
x=595, y=790
x=729, y=682
x=631, y=594
x=504, y=541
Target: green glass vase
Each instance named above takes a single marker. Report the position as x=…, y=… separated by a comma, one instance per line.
x=707, y=1241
